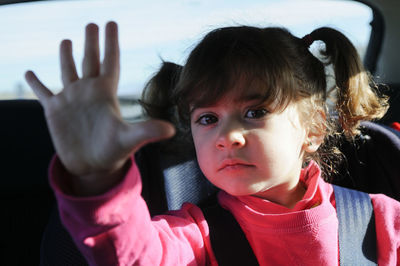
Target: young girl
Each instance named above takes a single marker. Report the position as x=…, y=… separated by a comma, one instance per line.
x=254, y=102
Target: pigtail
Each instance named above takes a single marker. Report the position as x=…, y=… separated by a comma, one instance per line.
x=357, y=97
x=156, y=97
x=158, y=102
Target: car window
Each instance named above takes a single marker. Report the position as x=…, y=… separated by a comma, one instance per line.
x=150, y=31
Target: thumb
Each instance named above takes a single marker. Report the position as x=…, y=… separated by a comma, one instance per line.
x=139, y=134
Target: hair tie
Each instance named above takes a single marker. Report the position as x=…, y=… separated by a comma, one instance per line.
x=308, y=40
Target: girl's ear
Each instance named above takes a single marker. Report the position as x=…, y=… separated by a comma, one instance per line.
x=316, y=134
x=313, y=142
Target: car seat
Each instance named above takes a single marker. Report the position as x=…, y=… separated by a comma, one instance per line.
x=167, y=182
x=372, y=162
x=393, y=92
x=26, y=198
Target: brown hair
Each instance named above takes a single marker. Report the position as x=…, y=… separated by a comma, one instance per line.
x=280, y=65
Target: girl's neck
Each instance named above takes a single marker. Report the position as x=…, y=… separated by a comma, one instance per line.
x=285, y=196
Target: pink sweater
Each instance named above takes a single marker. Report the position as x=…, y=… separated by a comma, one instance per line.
x=116, y=228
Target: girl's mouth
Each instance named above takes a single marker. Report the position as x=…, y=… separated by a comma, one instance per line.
x=234, y=164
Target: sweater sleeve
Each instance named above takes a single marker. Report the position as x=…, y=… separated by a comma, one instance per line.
x=115, y=228
x=387, y=223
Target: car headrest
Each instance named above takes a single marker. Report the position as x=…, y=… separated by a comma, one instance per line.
x=372, y=161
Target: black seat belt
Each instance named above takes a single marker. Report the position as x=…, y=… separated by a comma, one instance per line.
x=357, y=237
x=228, y=241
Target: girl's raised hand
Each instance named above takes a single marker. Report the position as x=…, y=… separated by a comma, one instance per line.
x=90, y=137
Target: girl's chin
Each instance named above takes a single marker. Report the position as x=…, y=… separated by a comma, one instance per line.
x=239, y=184
x=243, y=192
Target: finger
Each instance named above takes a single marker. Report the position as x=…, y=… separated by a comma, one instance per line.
x=38, y=88
x=91, y=60
x=67, y=64
x=139, y=134
x=111, y=55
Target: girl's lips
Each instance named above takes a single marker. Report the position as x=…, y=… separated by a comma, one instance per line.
x=233, y=164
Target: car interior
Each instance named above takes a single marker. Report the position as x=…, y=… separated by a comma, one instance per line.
x=32, y=231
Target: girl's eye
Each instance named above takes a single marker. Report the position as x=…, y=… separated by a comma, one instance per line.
x=256, y=113
x=207, y=119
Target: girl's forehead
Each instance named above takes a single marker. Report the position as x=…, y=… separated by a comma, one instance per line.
x=243, y=97
x=237, y=96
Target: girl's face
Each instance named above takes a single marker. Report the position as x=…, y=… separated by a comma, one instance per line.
x=244, y=149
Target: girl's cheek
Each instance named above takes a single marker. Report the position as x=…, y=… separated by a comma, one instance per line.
x=198, y=142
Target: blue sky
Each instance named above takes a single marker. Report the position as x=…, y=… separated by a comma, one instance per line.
x=150, y=30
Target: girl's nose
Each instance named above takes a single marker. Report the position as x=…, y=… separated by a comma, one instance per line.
x=233, y=139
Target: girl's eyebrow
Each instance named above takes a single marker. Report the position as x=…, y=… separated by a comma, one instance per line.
x=194, y=108
x=251, y=97
x=241, y=99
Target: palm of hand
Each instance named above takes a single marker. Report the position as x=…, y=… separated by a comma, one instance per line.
x=84, y=120
x=85, y=125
